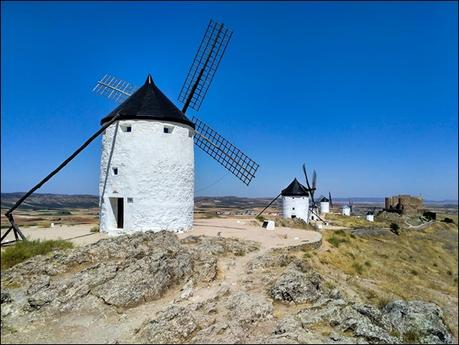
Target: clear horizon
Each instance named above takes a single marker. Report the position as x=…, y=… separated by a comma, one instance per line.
x=363, y=92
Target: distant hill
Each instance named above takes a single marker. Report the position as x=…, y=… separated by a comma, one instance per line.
x=50, y=201
x=60, y=201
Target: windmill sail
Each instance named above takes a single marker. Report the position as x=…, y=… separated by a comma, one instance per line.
x=207, y=139
x=225, y=153
x=204, y=65
x=114, y=88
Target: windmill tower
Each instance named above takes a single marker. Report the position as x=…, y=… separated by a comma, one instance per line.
x=370, y=215
x=324, y=205
x=295, y=201
x=147, y=164
x=346, y=210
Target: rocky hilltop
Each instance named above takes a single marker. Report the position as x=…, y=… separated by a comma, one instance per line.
x=155, y=288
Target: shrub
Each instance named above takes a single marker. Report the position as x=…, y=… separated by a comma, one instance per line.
x=335, y=241
x=63, y=213
x=358, y=268
x=260, y=218
x=394, y=227
x=44, y=225
x=448, y=220
x=95, y=229
x=411, y=337
x=307, y=255
x=24, y=250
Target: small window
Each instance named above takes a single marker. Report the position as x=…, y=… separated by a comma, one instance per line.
x=126, y=128
x=115, y=171
x=130, y=200
x=168, y=129
x=293, y=208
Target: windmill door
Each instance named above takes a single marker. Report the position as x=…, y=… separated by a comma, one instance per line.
x=120, y=214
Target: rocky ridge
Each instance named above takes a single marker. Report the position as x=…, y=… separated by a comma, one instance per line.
x=155, y=288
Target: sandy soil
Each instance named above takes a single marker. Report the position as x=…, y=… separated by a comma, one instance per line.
x=225, y=227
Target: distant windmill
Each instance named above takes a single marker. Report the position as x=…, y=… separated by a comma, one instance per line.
x=313, y=206
x=147, y=164
x=347, y=209
x=370, y=215
x=324, y=205
x=295, y=200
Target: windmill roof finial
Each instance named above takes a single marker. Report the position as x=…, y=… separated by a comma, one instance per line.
x=149, y=79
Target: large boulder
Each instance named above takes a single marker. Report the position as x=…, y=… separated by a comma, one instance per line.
x=122, y=272
x=173, y=325
x=297, y=286
x=248, y=309
x=417, y=322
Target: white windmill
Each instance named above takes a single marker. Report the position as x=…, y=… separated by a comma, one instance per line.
x=324, y=205
x=147, y=163
x=370, y=215
x=346, y=210
x=295, y=201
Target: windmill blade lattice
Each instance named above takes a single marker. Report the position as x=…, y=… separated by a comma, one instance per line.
x=114, y=88
x=225, y=153
x=204, y=65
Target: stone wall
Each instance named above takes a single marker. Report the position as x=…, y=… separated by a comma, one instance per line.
x=404, y=204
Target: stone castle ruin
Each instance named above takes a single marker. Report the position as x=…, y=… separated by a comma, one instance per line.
x=404, y=204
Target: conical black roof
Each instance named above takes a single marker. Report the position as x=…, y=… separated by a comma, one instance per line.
x=295, y=189
x=148, y=103
x=324, y=199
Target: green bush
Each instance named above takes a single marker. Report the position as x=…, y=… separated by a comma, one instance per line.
x=448, y=220
x=394, y=227
x=95, y=229
x=358, y=268
x=24, y=250
x=335, y=241
x=260, y=218
x=63, y=213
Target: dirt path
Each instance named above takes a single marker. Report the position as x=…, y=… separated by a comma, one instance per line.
x=225, y=227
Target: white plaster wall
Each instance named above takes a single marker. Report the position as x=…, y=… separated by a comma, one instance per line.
x=324, y=207
x=301, y=205
x=370, y=217
x=346, y=211
x=155, y=169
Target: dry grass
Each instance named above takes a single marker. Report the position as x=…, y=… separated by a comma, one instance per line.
x=24, y=250
x=293, y=223
x=415, y=265
x=354, y=222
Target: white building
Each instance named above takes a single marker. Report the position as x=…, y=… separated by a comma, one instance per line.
x=147, y=166
x=314, y=213
x=295, y=201
x=324, y=205
x=370, y=216
x=346, y=210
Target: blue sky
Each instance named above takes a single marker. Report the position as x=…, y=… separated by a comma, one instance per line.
x=364, y=92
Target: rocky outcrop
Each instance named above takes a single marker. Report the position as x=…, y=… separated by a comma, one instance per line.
x=216, y=320
x=178, y=293
x=417, y=322
x=296, y=285
x=122, y=272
